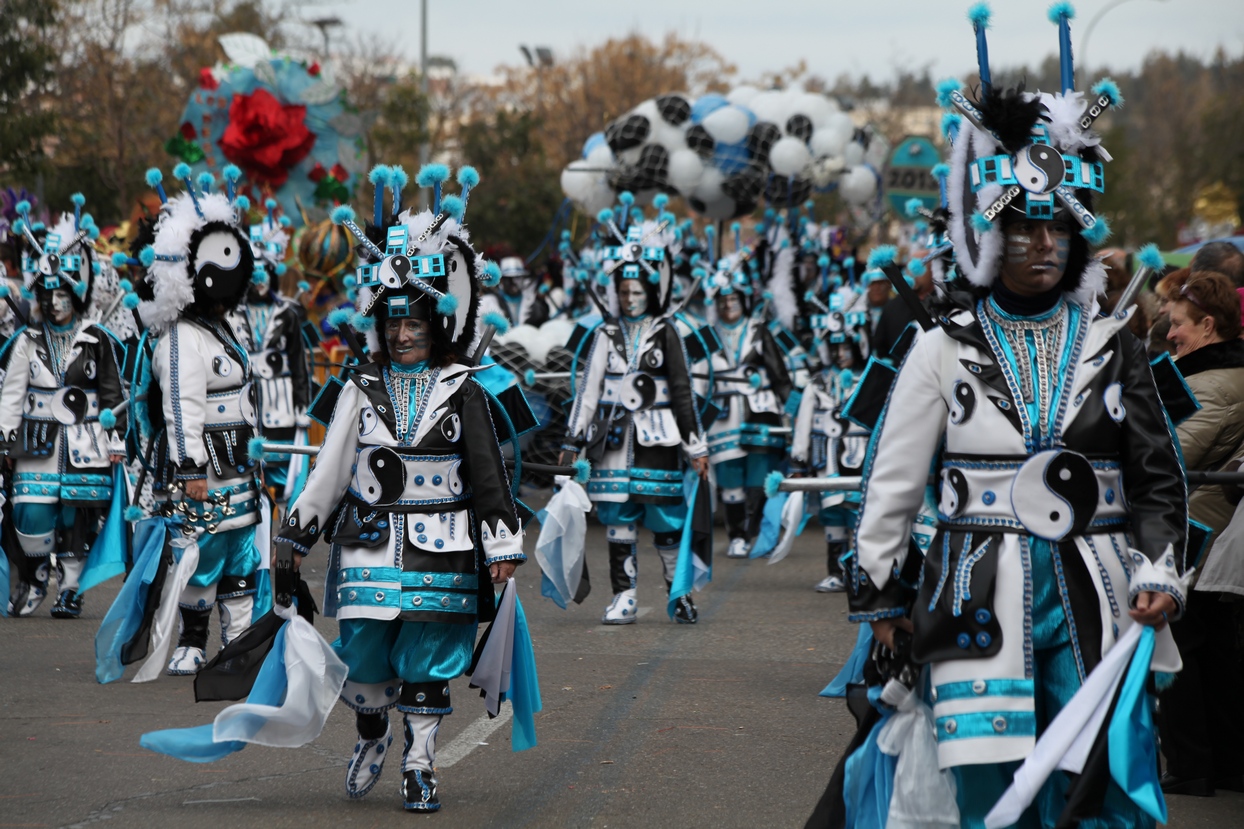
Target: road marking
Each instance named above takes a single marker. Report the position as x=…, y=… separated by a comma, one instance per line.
x=471, y=736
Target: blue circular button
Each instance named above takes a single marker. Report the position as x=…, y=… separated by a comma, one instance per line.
x=983, y=616
x=439, y=543
x=1110, y=496
x=419, y=527
x=988, y=497
x=220, y=409
x=983, y=639
x=418, y=480
x=436, y=480
x=423, y=539
x=964, y=641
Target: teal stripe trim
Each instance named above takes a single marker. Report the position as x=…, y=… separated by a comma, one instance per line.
x=438, y=601
x=380, y=574
x=368, y=597
x=990, y=688
x=452, y=581
x=987, y=724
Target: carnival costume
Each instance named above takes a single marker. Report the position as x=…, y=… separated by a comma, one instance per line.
x=634, y=417
x=61, y=385
x=270, y=327
x=750, y=389
x=1061, y=494
x=518, y=297
x=411, y=490
x=200, y=408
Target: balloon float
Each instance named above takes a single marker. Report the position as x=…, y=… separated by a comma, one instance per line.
x=726, y=153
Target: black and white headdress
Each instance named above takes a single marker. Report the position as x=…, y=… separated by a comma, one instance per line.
x=62, y=256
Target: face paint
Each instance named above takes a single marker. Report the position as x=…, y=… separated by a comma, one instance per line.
x=1036, y=255
x=1017, y=248
x=61, y=306
x=1062, y=250
x=632, y=298
x=409, y=340
x=729, y=308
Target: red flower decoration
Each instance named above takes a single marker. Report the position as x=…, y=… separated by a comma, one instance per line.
x=187, y=131
x=265, y=137
x=207, y=80
x=340, y=173
x=317, y=172
x=314, y=69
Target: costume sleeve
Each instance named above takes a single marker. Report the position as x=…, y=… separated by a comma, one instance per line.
x=1153, y=481
x=801, y=439
x=775, y=364
x=13, y=392
x=181, y=370
x=329, y=477
x=108, y=383
x=681, y=399
x=296, y=356
x=589, y=391
x=501, y=534
x=896, y=474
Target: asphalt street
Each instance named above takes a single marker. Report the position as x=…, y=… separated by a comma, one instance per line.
x=653, y=724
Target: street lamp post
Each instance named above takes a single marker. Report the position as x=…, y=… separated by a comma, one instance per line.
x=324, y=24
x=424, y=148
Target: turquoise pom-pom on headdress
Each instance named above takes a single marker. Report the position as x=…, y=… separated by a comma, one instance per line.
x=946, y=88
x=882, y=257
x=1151, y=258
x=497, y=321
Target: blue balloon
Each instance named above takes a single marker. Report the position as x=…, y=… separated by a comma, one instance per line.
x=706, y=104
x=596, y=139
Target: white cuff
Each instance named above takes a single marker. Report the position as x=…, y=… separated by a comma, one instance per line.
x=695, y=447
x=1158, y=577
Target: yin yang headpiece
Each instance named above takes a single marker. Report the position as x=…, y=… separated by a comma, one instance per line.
x=200, y=258
x=730, y=276
x=642, y=253
x=418, y=263
x=269, y=242
x=60, y=257
x=1036, y=153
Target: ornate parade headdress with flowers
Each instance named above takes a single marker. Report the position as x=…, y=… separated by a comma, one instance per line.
x=1031, y=152
x=62, y=256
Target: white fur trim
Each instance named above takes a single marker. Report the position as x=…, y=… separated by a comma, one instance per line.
x=172, y=285
x=1064, y=122
x=1092, y=285
x=781, y=286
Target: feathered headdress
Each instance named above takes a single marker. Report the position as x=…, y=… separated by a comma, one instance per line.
x=1036, y=153
x=60, y=257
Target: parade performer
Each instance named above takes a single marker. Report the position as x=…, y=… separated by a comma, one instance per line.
x=200, y=406
x=270, y=327
x=62, y=381
x=634, y=416
x=518, y=296
x=411, y=488
x=1062, y=514
x=750, y=389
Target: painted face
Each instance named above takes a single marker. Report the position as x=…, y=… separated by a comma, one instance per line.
x=632, y=298
x=1187, y=335
x=843, y=356
x=878, y=293
x=409, y=340
x=60, y=307
x=1035, y=255
x=729, y=308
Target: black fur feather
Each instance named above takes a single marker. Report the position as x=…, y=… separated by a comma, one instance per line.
x=1009, y=116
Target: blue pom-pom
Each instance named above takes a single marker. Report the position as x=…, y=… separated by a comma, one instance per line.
x=951, y=121
x=626, y=197
x=582, y=471
x=242, y=204
x=350, y=281
x=126, y=286
x=232, y=172
x=1098, y=233
x=92, y=232
x=398, y=177
x=447, y=305
x=882, y=256
x=270, y=204
x=497, y=321
x=979, y=15
x=206, y=182
x=304, y=286
x=131, y=300
x=468, y=177
x=27, y=294
x=96, y=270
x=147, y=256
x=181, y=171
x=431, y=174
x=637, y=215
x=259, y=276
x=280, y=269
x=1107, y=87
x=454, y=206
x=605, y=216
x=108, y=419
x=916, y=267
x=1151, y=258
x=1163, y=680
x=654, y=278
x=565, y=235
x=822, y=261
x=940, y=170
x=254, y=449
x=379, y=175
x=342, y=214
x=154, y=177
x=980, y=224
x=22, y=207
x=19, y=227
x=945, y=88
x=1059, y=10
x=338, y=317
x=849, y=262
x=755, y=381
x=529, y=377
x=492, y=274
x=4, y=290
x=78, y=199
x=285, y=221
x=119, y=259
x=772, y=481
x=133, y=514
x=80, y=288
x=912, y=207
x=362, y=323
x=602, y=279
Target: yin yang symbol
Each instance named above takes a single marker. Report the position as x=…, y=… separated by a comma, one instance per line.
x=272, y=365
x=219, y=249
x=963, y=403
x=639, y=392
x=222, y=366
x=451, y=428
x=455, y=478
x=368, y=421
x=835, y=427
x=69, y=405
x=89, y=369
x=1039, y=168
x=1113, y=398
x=1054, y=494
x=654, y=358
x=248, y=402
x=380, y=476
x=835, y=322
x=954, y=493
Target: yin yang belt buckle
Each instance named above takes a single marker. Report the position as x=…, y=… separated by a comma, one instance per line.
x=1054, y=494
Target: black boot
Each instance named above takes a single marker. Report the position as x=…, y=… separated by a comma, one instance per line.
x=667, y=548
x=622, y=575
x=736, y=528
x=191, y=651
x=755, y=511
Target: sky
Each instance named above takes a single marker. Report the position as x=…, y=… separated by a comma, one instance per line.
x=832, y=36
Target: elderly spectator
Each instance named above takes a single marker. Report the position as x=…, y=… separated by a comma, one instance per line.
x=1200, y=722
